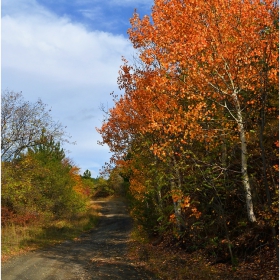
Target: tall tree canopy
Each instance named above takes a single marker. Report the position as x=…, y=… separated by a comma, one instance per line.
x=199, y=114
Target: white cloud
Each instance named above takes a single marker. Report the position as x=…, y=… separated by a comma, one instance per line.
x=71, y=68
x=61, y=50
x=21, y=7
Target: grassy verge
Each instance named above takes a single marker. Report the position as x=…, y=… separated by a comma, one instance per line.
x=16, y=239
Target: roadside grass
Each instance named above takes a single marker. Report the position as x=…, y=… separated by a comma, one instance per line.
x=16, y=239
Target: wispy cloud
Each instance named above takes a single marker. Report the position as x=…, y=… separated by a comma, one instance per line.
x=110, y=15
x=95, y=13
x=123, y=3
x=132, y=3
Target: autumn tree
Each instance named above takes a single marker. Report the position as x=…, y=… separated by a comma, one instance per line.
x=189, y=129
x=59, y=185
x=18, y=193
x=42, y=180
x=219, y=50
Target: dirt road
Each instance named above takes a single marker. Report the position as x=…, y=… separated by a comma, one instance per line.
x=98, y=254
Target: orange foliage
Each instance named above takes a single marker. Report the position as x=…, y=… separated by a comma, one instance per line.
x=192, y=52
x=202, y=66
x=79, y=186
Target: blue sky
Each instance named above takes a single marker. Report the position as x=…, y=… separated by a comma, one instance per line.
x=68, y=53
x=109, y=16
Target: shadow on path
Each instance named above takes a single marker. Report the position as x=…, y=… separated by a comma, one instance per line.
x=97, y=254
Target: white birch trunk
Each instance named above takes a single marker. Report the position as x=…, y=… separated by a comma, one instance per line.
x=244, y=164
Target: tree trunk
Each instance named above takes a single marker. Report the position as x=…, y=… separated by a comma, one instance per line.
x=177, y=207
x=177, y=188
x=244, y=161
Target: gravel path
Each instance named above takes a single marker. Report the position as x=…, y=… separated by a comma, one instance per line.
x=98, y=254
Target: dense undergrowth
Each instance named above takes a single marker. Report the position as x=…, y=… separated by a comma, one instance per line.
x=167, y=259
x=42, y=232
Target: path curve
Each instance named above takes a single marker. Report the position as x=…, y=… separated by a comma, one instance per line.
x=98, y=254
